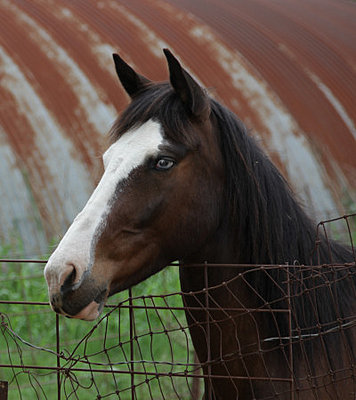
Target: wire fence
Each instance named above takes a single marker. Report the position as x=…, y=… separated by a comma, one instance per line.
x=266, y=332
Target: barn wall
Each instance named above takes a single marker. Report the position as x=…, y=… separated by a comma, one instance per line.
x=287, y=68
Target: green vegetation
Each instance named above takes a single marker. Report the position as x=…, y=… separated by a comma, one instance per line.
x=342, y=230
x=28, y=338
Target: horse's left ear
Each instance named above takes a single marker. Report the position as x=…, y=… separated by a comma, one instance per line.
x=192, y=95
x=132, y=82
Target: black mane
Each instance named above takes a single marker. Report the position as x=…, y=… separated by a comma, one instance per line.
x=272, y=228
x=271, y=225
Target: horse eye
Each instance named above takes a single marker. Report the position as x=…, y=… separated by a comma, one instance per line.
x=163, y=164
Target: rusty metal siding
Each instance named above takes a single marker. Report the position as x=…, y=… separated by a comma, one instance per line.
x=287, y=68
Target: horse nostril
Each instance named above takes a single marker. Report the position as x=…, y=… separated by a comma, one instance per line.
x=70, y=279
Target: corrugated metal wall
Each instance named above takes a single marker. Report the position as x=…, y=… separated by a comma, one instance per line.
x=286, y=67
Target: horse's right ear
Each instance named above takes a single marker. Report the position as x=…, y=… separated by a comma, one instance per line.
x=132, y=82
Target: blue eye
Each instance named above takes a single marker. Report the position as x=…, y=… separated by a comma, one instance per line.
x=164, y=164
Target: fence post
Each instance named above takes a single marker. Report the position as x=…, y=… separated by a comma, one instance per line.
x=132, y=352
x=3, y=390
x=290, y=332
x=58, y=349
x=206, y=288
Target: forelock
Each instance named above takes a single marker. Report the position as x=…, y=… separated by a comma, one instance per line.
x=159, y=103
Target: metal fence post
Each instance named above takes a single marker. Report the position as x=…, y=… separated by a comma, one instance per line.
x=58, y=359
x=206, y=288
x=290, y=332
x=3, y=390
x=132, y=351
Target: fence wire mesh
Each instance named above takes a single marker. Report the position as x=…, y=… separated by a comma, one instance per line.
x=292, y=336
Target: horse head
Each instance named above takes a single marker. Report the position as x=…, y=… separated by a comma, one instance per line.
x=157, y=201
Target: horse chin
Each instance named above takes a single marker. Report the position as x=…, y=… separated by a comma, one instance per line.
x=90, y=312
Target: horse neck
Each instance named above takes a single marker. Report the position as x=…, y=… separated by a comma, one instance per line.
x=259, y=232
x=261, y=220
x=220, y=248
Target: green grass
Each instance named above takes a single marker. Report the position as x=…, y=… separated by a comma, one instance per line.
x=28, y=338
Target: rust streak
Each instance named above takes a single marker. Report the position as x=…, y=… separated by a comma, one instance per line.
x=301, y=54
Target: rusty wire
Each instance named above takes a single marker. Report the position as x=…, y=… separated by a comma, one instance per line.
x=116, y=357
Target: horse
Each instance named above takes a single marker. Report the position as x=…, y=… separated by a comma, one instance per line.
x=184, y=180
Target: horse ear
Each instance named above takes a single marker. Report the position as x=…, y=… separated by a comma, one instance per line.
x=192, y=95
x=132, y=82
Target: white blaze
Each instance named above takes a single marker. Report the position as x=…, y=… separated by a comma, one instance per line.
x=122, y=157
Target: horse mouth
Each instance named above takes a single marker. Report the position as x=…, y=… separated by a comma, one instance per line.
x=94, y=308
x=89, y=311
x=101, y=297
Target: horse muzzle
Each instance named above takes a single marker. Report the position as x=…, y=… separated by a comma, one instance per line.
x=74, y=294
